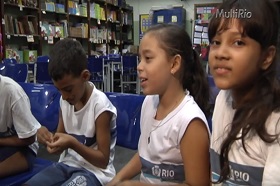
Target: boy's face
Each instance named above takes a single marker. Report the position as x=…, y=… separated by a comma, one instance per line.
x=72, y=88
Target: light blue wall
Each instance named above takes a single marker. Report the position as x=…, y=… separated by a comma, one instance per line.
x=144, y=7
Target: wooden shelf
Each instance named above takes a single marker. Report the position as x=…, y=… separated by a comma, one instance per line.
x=59, y=24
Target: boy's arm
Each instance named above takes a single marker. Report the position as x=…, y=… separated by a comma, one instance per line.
x=24, y=124
x=16, y=141
x=60, y=126
x=44, y=135
x=98, y=157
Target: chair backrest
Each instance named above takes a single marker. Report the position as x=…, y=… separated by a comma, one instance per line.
x=213, y=89
x=42, y=74
x=130, y=63
x=10, y=61
x=43, y=59
x=128, y=119
x=95, y=64
x=44, y=100
x=95, y=67
x=2, y=68
x=17, y=72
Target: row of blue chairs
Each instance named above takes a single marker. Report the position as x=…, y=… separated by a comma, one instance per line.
x=19, y=72
x=103, y=71
x=44, y=99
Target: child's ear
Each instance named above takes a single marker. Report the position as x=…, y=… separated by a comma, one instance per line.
x=85, y=75
x=268, y=57
x=176, y=63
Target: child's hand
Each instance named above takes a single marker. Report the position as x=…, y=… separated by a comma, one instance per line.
x=44, y=135
x=129, y=183
x=60, y=142
x=114, y=182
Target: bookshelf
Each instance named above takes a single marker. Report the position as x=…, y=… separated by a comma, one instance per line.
x=102, y=26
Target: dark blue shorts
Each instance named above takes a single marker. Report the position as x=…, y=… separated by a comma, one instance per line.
x=59, y=174
x=6, y=152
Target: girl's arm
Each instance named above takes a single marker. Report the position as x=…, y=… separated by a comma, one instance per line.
x=194, y=148
x=130, y=170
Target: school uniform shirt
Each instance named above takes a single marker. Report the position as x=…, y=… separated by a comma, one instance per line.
x=261, y=166
x=81, y=125
x=15, y=112
x=159, y=143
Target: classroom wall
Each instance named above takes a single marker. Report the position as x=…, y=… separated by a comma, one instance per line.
x=144, y=6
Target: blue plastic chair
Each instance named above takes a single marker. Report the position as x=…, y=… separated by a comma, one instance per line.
x=42, y=74
x=42, y=59
x=214, y=91
x=95, y=67
x=17, y=72
x=10, y=61
x=128, y=120
x=21, y=178
x=44, y=100
x=2, y=68
x=129, y=73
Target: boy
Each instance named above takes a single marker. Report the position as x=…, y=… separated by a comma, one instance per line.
x=86, y=132
x=18, y=129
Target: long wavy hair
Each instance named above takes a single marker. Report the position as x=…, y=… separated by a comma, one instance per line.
x=251, y=115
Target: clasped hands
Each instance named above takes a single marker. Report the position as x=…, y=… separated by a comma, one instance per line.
x=55, y=143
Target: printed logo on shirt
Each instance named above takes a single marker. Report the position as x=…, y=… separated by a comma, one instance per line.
x=164, y=172
x=78, y=181
x=156, y=170
x=240, y=174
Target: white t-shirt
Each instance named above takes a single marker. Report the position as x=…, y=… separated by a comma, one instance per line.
x=15, y=112
x=159, y=143
x=81, y=125
x=262, y=167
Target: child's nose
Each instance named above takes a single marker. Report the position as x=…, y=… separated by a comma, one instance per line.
x=222, y=52
x=64, y=95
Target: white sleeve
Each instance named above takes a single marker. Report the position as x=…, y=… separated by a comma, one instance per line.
x=24, y=122
x=272, y=165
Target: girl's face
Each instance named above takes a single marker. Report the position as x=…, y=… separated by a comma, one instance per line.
x=154, y=69
x=234, y=60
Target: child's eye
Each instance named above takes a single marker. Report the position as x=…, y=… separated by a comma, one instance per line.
x=239, y=43
x=215, y=42
x=148, y=59
x=68, y=90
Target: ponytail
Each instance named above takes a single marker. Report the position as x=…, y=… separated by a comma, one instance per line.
x=192, y=74
x=195, y=81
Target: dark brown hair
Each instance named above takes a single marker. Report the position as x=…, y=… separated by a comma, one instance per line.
x=67, y=57
x=251, y=115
